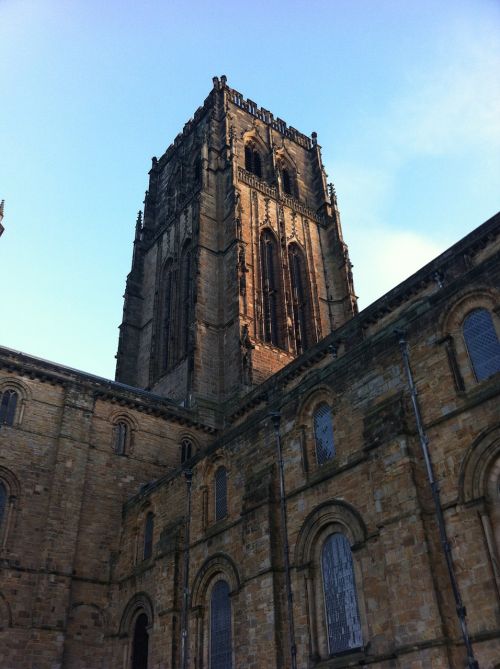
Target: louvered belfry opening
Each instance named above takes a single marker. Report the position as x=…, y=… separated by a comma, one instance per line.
x=300, y=298
x=271, y=289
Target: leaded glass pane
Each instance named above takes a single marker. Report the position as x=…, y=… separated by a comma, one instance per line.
x=323, y=433
x=220, y=493
x=8, y=406
x=341, y=605
x=220, y=627
x=3, y=501
x=482, y=343
x=148, y=536
x=186, y=450
x=120, y=437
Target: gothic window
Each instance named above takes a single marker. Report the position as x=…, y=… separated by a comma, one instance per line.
x=120, y=433
x=148, y=536
x=166, y=318
x=220, y=493
x=253, y=162
x=341, y=605
x=8, y=405
x=220, y=627
x=270, y=289
x=286, y=182
x=186, y=450
x=185, y=306
x=323, y=433
x=140, y=643
x=300, y=297
x=482, y=343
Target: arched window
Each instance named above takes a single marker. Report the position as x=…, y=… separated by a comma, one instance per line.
x=166, y=318
x=220, y=627
x=253, y=162
x=323, y=433
x=220, y=493
x=8, y=405
x=3, y=502
x=120, y=433
x=482, y=343
x=341, y=604
x=140, y=643
x=186, y=450
x=185, y=306
x=148, y=536
x=270, y=289
x=300, y=297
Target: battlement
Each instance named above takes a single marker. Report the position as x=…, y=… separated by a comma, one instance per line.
x=267, y=117
x=247, y=105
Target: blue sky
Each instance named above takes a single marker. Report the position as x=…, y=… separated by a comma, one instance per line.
x=405, y=97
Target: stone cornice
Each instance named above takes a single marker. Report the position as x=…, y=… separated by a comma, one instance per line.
x=113, y=391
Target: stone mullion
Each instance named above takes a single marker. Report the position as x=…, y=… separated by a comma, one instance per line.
x=258, y=287
x=285, y=306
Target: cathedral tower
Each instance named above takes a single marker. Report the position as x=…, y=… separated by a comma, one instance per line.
x=239, y=264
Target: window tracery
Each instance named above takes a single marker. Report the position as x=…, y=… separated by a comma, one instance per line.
x=300, y=297
x=323, y=433
x=271, y=289
x=186, y=450
x=482, y=343
x=8, y=406
x=253, y=161
x=341, y=605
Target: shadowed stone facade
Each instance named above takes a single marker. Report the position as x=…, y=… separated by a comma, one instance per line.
x=118, y=494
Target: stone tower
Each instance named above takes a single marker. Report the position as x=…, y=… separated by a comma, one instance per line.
x=239, y=263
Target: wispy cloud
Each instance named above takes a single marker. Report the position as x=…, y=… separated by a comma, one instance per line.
x=450, y=112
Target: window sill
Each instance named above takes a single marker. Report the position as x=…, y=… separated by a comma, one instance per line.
x=350, y=659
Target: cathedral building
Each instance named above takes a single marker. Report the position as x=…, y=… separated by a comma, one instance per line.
x=273, y=480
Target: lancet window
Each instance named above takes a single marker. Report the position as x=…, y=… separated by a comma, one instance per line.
x=186, y=450
x=220, y=493
x=121, y=435
x=167, y=317
x=323, y=433
x=220, y=627
x=341, y=604
x=185, y=299
x=271, y=293
x=300, y=297
x=140, y=644
x=8, y=406
x=253, y=161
